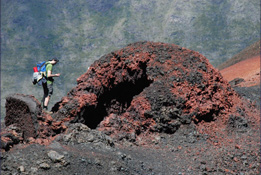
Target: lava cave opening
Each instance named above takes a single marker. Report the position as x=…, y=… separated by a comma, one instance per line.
x=116, y=100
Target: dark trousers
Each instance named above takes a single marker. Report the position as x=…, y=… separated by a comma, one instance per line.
x=48, y=91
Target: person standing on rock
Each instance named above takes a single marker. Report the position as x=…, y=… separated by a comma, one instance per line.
x=48, y=86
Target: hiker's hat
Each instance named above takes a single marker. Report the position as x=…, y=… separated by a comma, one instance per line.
x=55, y=59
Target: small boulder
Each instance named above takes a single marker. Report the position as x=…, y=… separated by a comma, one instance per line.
x=55, y=156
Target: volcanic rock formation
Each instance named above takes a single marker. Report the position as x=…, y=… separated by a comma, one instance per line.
x=25, y=121
x=23, y=111
x=169, y=101
x=142, y=89
x=146, y=88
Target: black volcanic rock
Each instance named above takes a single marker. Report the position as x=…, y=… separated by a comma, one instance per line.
x=148, y=87
x=149, y=108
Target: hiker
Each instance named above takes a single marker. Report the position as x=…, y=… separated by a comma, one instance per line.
x=48, y=86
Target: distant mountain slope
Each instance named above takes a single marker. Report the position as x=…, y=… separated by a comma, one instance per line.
x=247, y=53
x=79, y=32
x=248, y=69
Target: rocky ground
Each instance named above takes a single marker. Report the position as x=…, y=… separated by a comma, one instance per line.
x=86, y=151
x=149, y=108
x=251, y=93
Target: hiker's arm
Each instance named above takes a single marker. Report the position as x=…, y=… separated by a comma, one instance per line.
x=49, y=74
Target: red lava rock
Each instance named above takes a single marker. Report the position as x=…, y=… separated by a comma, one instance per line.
x=25, y=121
x=23, y=110
x=150, y=87
x=143, y=89
x=235, y=159
x=238, y=146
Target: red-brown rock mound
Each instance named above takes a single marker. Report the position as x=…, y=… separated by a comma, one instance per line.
x=25, y=122
x=148, y=87
x=23, y=110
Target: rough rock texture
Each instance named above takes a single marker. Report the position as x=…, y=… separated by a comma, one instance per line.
x=149, y=108
x=145, y=88
x=25, y=121
x=78, y=133
x=23, y=110
x=251, y=93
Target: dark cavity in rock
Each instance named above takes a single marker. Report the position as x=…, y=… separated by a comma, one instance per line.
x=115, y=100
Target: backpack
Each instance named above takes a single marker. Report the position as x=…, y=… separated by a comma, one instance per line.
x=39, y=75
x=41, y=67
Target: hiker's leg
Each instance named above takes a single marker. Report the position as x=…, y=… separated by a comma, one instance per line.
x=49, y=94
x=45, y=89
x=46, y=100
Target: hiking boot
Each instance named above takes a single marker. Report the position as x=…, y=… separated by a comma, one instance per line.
x=48, y=112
